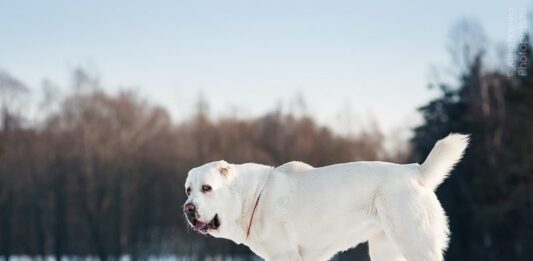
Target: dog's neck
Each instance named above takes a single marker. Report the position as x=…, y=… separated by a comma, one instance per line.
x=249, y=182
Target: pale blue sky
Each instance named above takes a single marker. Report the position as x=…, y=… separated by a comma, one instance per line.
x=373, y=55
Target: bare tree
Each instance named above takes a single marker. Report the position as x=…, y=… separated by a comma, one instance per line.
x=466, y=42
x=11, y=92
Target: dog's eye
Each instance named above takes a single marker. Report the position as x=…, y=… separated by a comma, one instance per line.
x=188, y=191
x=206, y=188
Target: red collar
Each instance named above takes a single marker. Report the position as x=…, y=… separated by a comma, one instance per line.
x=255, y=207
x=252, y=216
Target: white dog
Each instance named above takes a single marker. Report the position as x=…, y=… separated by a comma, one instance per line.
x=297, y=212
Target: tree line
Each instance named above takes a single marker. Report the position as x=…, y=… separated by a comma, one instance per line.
x=103, y=174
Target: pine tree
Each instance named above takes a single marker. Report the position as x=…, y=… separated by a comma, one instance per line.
x=488, y=196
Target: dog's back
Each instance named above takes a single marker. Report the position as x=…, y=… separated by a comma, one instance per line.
x=294, y=167
x=385, y=203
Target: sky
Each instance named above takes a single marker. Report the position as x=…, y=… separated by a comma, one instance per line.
x=364, y=59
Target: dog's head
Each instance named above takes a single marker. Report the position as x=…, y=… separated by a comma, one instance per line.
x=212, y=206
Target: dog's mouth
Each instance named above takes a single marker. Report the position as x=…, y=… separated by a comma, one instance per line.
x=205, y=228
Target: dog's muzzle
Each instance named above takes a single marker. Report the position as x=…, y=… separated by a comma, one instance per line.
x=194, y=220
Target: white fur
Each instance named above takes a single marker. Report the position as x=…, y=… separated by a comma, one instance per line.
x=307, y=213
x=441, y=160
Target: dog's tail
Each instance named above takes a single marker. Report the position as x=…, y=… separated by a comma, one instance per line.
x=442, y=158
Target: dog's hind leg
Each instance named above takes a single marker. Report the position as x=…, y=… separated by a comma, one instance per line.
x=381, y=248
x=414, y=221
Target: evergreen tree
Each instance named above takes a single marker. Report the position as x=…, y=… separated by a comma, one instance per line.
x=488, y=198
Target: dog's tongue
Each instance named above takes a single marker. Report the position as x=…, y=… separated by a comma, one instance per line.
x=199, y=225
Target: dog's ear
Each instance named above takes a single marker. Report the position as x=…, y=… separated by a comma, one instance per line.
x=224, y=169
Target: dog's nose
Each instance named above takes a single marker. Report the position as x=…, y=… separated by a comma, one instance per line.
x=189, y=208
